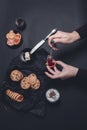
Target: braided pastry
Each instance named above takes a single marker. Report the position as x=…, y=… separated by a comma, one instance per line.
x=14, y=95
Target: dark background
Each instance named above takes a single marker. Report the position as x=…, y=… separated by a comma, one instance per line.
x=41, y=17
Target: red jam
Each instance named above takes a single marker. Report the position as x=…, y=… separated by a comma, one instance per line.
x=20, y=98
x=50, y=61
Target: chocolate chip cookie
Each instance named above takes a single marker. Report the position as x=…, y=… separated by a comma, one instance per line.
x=32, y=78
x=36, y=85
x=16, y=75
x=25, y=83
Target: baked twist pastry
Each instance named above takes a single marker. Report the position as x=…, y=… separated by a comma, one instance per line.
x=14, y=95
x=25, y=83
x=16, y=75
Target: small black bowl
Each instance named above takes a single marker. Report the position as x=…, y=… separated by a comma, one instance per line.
x=20, y=24
x=22, y=56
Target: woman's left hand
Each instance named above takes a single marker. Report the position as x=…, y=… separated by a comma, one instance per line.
x=68, y=71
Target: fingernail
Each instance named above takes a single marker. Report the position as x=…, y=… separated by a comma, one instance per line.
x=52, y=42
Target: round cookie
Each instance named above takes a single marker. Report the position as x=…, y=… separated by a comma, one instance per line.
x=16, y=75
x=36, y=85
x=32, y=78
x=25, y=84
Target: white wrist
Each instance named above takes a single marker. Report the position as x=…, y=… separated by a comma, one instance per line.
x=75, y=36
x=75, y=71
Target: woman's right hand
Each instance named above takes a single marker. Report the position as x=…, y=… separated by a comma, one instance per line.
x=63, y=38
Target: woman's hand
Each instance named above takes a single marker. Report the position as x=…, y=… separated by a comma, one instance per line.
x=68, y=71
x=63, y=38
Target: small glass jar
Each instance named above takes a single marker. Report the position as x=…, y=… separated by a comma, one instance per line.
x=20, y=23
x=50, y=61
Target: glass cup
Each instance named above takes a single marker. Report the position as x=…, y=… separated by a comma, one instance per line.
x=20, y=23
x=50, y=61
